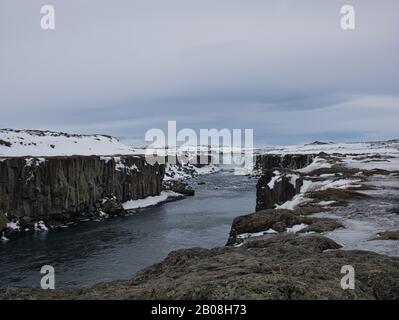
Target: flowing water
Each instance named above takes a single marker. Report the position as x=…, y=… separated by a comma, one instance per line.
x=92, y=252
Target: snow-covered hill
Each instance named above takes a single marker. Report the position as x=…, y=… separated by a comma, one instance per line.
x=17, y=143
x=374, y=147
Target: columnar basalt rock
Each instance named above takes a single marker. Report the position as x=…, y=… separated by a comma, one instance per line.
x=273, y=189
x=266, y=162
x=276, y=188
x=58, y=189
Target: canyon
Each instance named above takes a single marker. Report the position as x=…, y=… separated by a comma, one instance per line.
x=318, y=208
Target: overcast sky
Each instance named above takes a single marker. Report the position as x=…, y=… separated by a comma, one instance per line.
x=284, y=68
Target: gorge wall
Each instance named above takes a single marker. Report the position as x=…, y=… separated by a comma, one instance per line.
x=58, y=189
x=277, y=183
x=265, y=162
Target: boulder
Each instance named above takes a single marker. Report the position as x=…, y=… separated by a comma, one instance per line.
x=279, y=221
x=320, y=225
x=388, y=235
x=179, y=186
x=26, y=222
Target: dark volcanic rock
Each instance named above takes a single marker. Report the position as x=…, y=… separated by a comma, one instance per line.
x=262, y=221
x=283, y=188
x=283, y=267
x=278, y=220
x=338, y=195
x=395, y=210
x=388, y=235
x=320, y=225
x=318, y=143
x=179, y=187
x=111, y=206
x=59, y=189
x=3, y=222
x=267, y=162
x=5, y=143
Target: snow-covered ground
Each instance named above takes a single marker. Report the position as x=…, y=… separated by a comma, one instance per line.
x=187, y=171
x=19, y=143
x=150, y=201
x=377, y=147
x=16, y=143
x=363, y=218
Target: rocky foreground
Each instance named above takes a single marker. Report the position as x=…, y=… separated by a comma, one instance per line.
x=281, y=267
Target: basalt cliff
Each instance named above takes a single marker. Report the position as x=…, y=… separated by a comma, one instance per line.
x=40, y=192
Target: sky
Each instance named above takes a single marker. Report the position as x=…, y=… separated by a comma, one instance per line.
x=283, y=68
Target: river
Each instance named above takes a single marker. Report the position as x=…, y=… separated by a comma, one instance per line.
x=92, y=252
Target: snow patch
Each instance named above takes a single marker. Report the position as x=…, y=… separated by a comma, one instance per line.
x=187, y=171
x=243, y=236
x=30, y=162
x=35, y=143
x=293, y=179
x=14, y=226
x=318, y=163
x=40, y=226
x=326, y=203
x=149, y=201
x=296, y=228
x=273, y=181
x=340, y=184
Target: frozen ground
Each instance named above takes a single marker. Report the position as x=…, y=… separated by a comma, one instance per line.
x=18, y=143
x=374, y=176
x=376, y=147
x=364, y=219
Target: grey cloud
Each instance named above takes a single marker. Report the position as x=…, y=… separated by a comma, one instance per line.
x=123, y=67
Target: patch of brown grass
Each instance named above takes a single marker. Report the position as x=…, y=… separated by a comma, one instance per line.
x=335, y=194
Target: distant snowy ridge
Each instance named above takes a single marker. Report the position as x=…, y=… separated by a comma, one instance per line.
x=35, y=143
x=376, y=147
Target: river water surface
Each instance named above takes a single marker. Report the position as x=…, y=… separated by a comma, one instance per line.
x=92, y=252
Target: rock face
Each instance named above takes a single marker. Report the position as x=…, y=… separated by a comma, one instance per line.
x=267, y=162
x=278, y=221
x=57, y=189
x=276, y=189
x=179, y=187
x=282, y=267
